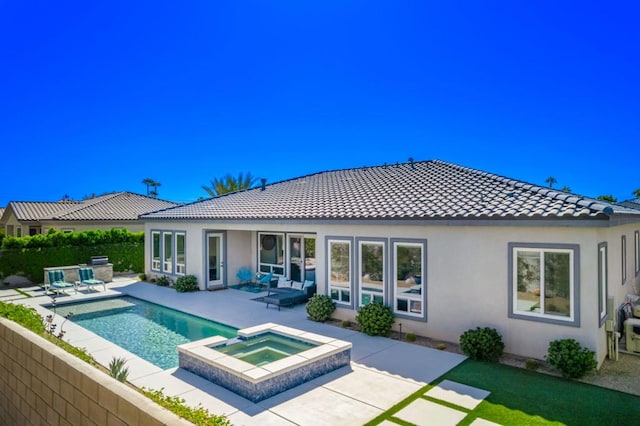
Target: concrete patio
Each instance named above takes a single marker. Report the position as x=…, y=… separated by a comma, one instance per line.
x=382, y=373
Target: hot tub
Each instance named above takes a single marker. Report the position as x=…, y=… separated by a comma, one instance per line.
x=264, y=360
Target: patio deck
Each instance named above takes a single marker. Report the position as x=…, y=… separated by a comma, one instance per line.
x=382, y=373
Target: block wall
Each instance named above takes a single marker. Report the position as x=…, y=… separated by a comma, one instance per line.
x=41, y=383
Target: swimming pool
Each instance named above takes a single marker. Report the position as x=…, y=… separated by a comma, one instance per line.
x=146, y=329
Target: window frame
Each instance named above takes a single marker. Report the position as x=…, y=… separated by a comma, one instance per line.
x=623, y=255
x=341, y=290
x=573, y=320
x=385, y=270
x=603, y=281
x=156, y=264
x=168, y=265
x=636, y=249
x=395, y=242
x=276, y=268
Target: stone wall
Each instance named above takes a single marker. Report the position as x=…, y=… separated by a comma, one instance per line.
x=41, y=383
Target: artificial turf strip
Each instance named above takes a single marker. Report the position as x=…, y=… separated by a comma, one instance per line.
x=521, y=397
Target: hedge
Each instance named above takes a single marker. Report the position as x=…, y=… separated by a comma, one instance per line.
x=28, y=256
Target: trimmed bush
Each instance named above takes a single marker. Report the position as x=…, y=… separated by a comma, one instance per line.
x=482, y=344
x=163, y=281
x=186, y=283
x=568, y=356
x=320, y=307
x=375, y=319
x=346, y=323
x=410, y=337
x=531, y=364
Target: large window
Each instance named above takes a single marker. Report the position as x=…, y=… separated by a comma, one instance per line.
x=180, y=254
x=271, y=253
x=168, y=253
x=372, y=272
x=602, y=282
x=543, y=282
x=340, y=278
x=623, y=251
x=155, y=251
x=636, y=251
x=409, y=278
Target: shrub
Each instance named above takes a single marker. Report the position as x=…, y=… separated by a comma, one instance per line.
x=375, y=319
x=346, y=323
x=320, y=307
x=142, y=277
x=441, y=346
x=570, y=358
x=482, y=344
x=198, y=415
x=186, y=283
x=531, y=364
x=117, y=370
x=163, y=281
x=410, y=337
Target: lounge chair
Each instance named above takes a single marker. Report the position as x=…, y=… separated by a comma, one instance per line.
x=87, y=278
x=267, y=279
x=57, y=281
x=291, y=295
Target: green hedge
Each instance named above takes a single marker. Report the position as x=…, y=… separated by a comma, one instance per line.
x=28, y=256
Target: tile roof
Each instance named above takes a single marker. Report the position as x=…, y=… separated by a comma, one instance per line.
x=633, y=203
x=417, y=190
x=115, y=206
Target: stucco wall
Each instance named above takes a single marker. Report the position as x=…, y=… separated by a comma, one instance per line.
x=43, y=384
x=466, y=275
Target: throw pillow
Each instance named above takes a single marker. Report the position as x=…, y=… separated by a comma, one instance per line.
x=297, y=285
x=284, y=283
x=307, y=283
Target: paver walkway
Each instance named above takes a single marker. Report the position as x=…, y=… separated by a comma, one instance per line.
x=382, y=373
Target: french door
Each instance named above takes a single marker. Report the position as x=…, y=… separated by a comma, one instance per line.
x=215, y=260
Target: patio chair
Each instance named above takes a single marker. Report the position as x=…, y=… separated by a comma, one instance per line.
x=87, y=278
x=267, y=279
x=244, y=275
x=57, y=281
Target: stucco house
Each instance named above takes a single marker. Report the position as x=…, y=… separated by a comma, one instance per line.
x=115, y=210
x=447, y=247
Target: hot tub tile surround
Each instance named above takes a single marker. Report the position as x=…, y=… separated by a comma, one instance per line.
x=258, y=383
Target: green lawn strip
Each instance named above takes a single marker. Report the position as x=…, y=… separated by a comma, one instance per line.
x=399, y=406
x=24, y=293
x=521, y=396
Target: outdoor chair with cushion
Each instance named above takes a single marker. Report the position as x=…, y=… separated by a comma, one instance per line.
x=87, y=278
x=266, y=279
x=57, y=281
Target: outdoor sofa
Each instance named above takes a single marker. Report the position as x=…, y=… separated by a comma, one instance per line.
x=290, y=293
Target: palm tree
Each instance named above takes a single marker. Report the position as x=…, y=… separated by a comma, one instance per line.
x=636, y=192
x=551, y=180
x=151, y=184
x=609, y=198
x=228, y=184
x=566, y=189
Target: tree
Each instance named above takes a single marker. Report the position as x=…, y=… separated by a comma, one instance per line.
x=150, y=183
x=609, y=198
x=636, y=192
x=566, y=189
x=228, y=184
x=551, y=180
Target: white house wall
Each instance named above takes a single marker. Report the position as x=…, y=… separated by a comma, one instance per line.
x=466, y=274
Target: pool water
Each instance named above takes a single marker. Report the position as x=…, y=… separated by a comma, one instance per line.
x=265, y=348
x=150, y=331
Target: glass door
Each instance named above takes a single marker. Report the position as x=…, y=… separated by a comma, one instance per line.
x=302, y=258
x=215, y=260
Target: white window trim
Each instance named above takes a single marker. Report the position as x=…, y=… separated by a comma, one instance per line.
x=603, y=281
x=623, y=242
x=180, y=267
x=273, y=266
x=341, y=290
x=155, y=264
x=409, y=297
x=361, y=290
x=636, y=244
x=167, y=264
x=573, y=319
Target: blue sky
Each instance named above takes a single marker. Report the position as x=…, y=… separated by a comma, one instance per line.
x=96, y=97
